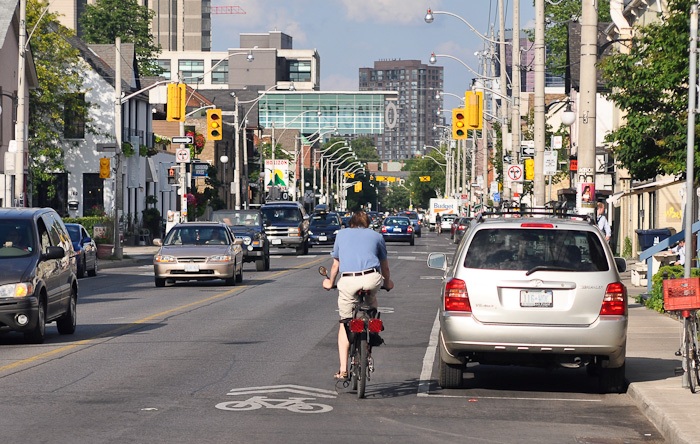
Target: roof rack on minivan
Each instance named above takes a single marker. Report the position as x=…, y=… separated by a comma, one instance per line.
x=534, y=212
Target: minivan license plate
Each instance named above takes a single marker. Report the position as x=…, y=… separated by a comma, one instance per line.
x=537, y=298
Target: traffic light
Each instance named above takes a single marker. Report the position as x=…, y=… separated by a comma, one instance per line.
x=177, y=98
x=529, y=168
x=214, y=124
x=104, y=168
x=459, y=123
x=358, y=187
x=474, y=103
x=172, y=176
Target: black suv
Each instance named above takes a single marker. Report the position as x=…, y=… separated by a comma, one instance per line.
x=38, y=282
x=248, y=225
x=287, y=225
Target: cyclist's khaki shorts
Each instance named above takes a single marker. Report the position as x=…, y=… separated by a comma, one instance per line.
x=348, y=287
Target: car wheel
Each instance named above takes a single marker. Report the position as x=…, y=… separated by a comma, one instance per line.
x=260, y=264
x=81, y=266
x=93, y=272
x=66, y=323
x=160, y=282
x=611, y=380
x=450, y=376
x=267, y=261
x=36, y=336
x=231, y=281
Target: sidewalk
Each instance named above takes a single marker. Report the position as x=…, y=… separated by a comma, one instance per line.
x=652, y=340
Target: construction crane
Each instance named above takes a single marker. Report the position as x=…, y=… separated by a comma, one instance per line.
x=227, y=10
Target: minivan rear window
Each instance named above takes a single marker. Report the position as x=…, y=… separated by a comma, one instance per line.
x=525, y=249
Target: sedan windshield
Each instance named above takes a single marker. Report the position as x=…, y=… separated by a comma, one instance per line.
x=197, y=236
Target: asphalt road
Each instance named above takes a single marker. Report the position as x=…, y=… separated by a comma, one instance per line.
x=207, y=363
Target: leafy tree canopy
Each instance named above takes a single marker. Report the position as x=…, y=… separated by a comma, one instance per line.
x=59, y=67
x=650, y=86
x=105, y=20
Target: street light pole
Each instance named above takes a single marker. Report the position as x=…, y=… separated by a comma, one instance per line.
x=539, y=182
x=20, y=124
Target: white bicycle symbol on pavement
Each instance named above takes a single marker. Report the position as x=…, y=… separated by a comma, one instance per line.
x=296, y=405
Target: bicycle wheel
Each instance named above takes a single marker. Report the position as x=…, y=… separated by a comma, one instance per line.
x=689, y=349
x=353, y=359
x=362, y=369
x=692, y=366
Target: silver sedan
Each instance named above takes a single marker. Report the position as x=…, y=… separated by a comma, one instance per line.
x=198, y=251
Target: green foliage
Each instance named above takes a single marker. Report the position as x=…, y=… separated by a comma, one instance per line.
x=89, y=223
x=365, y=149
x=152, y=220
x=426, y=166
x=397, y=197
x=105, y=20
x=650, y=86
x=59, y=71
x=627, y=248
x=656, y=298
x=557, y=18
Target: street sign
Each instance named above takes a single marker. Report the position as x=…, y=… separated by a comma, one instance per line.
x=515, y=173
x=527, y=148
x=550, y=163
x=182, y=139
x=200, y=169
x=182, y=155
x=557, y=142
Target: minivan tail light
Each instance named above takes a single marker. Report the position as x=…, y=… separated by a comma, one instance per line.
x=615, y=300
x=456, y=297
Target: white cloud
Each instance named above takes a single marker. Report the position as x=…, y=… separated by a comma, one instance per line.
x=385, y=11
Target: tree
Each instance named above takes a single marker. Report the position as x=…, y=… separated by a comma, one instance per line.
x=650, y=86
x=59, y=70
x=365, y=149
x=106, y=20
x=557, y=19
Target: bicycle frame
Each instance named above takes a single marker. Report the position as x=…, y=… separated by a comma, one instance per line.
x=365, y=320
x=689, y=349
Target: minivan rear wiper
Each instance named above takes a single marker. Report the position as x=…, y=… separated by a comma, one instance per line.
x=548, y=268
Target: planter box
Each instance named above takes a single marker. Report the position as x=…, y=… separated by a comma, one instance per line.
x=104, y=251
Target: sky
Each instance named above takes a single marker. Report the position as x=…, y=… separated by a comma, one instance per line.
x=353, y=34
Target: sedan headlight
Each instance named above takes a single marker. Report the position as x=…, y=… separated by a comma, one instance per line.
x=219, y=258
x=165, y=259
x=19, y=290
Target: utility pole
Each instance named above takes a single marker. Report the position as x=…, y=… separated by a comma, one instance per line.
x=118, y=192
x=515, y=89
x=587, y=104
x=20, y=126
x=236, y=155
x=539, y=181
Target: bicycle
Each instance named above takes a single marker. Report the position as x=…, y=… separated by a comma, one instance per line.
x=683, y=295
x=363, y=333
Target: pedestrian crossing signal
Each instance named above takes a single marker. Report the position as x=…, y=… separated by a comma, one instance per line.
x=172, y=178
x=424, y=178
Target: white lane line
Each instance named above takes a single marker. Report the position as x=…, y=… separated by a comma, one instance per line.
x=429, y=359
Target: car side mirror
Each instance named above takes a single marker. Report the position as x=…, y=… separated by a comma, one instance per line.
x=86, y=240
x=437, y=261
x=53, y=253
x=238, y=241
x=158, y=242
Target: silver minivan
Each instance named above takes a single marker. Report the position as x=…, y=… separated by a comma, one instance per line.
x=533, y=290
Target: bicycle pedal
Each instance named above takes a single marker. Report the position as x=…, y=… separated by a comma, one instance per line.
x=678, y=371
x=370, y=364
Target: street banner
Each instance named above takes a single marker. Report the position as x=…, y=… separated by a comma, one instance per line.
x=277, y=173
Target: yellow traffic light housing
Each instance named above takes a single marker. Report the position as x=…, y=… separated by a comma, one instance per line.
x=358, y=187
x=529, y=168
x=474, y=103
x=214, y=124
x=105, y=172
x=459, y=123
x=177, y=98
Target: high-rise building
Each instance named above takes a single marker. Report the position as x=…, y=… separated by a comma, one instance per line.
x=417, y=107
x=178, y=25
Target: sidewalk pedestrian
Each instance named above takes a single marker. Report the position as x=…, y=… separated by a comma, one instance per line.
x=602, y=221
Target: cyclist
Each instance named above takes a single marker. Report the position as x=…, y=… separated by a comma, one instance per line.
x=359, y=256
x=438, y=223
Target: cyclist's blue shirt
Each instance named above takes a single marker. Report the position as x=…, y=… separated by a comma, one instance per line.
x=358, y=249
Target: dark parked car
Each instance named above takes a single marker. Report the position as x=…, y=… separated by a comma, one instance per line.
x=461, y=227
x=248, y=226
x=85, y=250
x=286, y=225
x=38, y=284
x=397, y=228
x=323, y=228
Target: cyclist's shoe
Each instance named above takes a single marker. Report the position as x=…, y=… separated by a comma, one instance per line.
x=341, y=376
